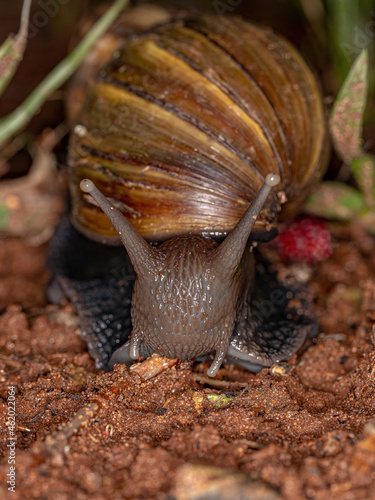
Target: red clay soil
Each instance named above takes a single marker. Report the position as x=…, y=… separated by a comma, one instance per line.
x=302, y=430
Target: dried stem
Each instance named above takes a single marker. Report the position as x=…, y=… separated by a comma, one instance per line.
x=13, y=122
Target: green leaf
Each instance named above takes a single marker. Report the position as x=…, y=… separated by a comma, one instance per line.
x=333, y=200
x=4, y=211
x=364, y=173
x=347, y=114
x=218, y=400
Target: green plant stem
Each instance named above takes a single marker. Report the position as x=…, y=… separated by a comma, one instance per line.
x=344, y=17
x=12, y=50
x=13, y=122
x=348, y=31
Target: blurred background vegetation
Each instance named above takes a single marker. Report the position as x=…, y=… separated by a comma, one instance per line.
x=329, y=33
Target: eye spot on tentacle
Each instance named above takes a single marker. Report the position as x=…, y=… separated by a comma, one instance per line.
x=272, y=179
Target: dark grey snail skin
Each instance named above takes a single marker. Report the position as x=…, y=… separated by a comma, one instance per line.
x=190, y=295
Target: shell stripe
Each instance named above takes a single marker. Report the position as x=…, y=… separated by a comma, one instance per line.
x=133, y=89
x=194, y=77
x=235, y=96
x=184, y=133
x=163, y=191
x=160, y=177
x=277, y=75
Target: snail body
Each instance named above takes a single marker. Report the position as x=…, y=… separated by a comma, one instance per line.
x=180, y=131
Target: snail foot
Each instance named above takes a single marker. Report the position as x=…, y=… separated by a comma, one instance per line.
x=99, y=281
x=276, y=318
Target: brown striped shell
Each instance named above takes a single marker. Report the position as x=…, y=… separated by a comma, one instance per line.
x=184, y=123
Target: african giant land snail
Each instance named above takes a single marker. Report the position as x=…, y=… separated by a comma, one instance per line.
x=185, y=126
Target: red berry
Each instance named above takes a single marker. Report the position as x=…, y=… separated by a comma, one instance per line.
x=305, y=240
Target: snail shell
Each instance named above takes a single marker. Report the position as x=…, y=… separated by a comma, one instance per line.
x=182, y=126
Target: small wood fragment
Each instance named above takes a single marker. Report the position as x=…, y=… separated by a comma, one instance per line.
x=57, y=442
x=153, y=366
x=219, y=384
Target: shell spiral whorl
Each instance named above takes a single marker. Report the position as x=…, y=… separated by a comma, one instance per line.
x=182, y=126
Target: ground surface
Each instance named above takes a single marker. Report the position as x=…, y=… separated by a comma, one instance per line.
x=303, y=431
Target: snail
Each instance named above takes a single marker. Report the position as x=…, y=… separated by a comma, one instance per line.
x=195, y=134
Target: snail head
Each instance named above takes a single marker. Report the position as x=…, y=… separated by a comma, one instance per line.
x=187, y=290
